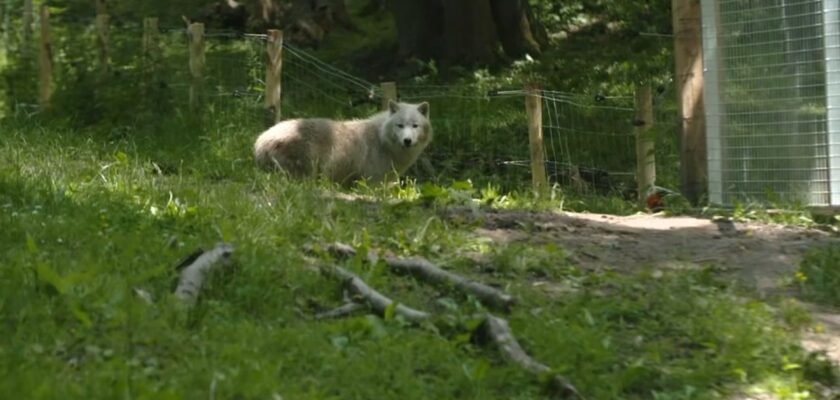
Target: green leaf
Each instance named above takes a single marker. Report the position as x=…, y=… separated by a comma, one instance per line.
x=48, y=275
x=390, y=311
x=31, y=246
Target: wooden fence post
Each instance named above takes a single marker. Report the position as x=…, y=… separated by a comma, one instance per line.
x=389, y=92
x=151, y=34
x=26, y=35
x=273, y=76
x=102, y=36
x=645, y=142
x=533, y=108
x=195, y=31
x=45, y=60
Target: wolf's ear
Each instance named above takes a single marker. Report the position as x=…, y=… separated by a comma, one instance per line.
x=423, y=108
x=393, y=106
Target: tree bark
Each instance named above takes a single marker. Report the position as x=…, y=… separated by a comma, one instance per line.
x=467, y=32
x=470, y=32
x=515, y=28
x=419, y=28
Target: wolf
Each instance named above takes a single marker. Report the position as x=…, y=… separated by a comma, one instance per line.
x=377, y=149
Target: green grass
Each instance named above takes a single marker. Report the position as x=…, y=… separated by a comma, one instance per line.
x=89, y=216
x=819, y=275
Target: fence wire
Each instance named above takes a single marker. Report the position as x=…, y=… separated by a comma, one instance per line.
x=768, y=88
x=481, y=131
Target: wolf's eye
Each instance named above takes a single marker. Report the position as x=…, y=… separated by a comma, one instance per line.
x=400, y=126
x=414, y=126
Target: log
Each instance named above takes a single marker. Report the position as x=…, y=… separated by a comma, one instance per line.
x=195, y=273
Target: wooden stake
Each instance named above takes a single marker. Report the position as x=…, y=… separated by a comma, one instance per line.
x=26, y=21
x=103, y=41
x=645, y=154
x=151, y=34
x=688, y=54
x=389, y=92
x=195, y=31
x=533, y=108
x=273, y=76
x=45, y=60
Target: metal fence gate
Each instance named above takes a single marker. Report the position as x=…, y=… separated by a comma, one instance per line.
x=772, y=100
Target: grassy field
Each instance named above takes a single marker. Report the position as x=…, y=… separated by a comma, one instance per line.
x=89, y=216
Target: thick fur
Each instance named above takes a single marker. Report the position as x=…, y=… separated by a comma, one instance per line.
x=377, y=149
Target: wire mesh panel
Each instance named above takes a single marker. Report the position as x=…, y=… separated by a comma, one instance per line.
x=589, y=140
x=767, y=99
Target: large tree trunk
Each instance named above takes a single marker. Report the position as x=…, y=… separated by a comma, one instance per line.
x=470, y=32
x=419, y=28
x=513, y=17
x=467, y=31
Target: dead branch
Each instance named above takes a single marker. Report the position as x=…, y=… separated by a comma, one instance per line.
x=194, y=274
x=497, y=330
x=340, y=312
x=426, y=270
x=377, y=301
x=493, y=329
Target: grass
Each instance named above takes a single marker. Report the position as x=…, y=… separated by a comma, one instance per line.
x=818, y=275
x=90, y=215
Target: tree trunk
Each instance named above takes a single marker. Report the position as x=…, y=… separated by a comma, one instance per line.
x=467, y=31
x=515, y=29
x=419, y=28
x=470, y=32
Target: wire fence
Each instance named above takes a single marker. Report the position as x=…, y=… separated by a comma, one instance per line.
x=771, y=96
x=481, y=131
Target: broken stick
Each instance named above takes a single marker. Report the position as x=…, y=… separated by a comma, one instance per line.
x=194, y=274
x=426, y=270
x=493, y=329
x=498, y=331
x=343, y=311
x=377, y=301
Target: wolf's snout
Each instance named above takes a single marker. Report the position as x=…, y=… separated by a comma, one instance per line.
x=407, y=142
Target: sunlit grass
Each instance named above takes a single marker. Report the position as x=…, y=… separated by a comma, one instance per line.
x=87, y=218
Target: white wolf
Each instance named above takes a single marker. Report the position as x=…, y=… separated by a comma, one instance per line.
x=377, y=149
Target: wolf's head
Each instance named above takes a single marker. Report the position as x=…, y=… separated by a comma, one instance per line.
x=408, y=125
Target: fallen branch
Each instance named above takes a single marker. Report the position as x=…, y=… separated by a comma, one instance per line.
x=194, y=274
x=426, y=270
x=340, y=312
x=493, y=329
x=497, y=330
x=377, y=301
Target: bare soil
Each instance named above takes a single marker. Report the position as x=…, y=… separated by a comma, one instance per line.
x=760, y=255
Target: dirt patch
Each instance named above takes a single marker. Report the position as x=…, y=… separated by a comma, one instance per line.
x=760, y=254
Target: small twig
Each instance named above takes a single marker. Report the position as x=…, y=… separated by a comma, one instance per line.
x=377, y=301
x=340, y=312
x=426, y=270
x=498, y=331
x=194, y=274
